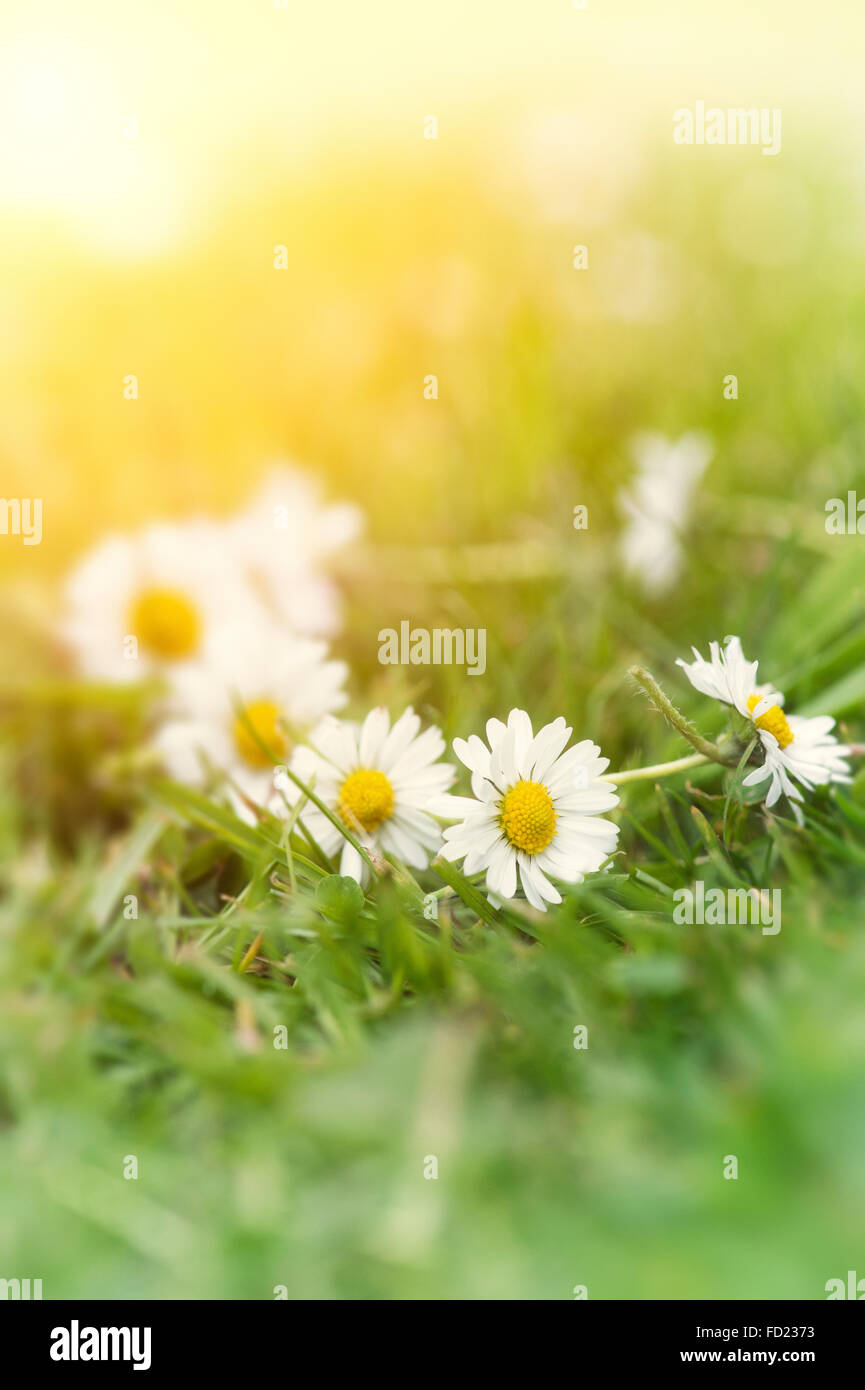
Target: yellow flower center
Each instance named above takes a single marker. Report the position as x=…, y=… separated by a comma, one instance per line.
x=263, y=716
x=773, y=721
x=366, y=799
x=528, y=817
x=166, y=623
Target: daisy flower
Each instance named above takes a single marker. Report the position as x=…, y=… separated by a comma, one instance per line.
x=385, y=783
x=657, y=506
x=794, y=747
x=157, y=600
x=284, y=539
x=263, y=683
x=537, y=809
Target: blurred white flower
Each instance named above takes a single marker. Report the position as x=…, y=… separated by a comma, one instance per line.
x=284, y=538
x=657, y=506
x=637, y=278
x=568, y=164
x=384, y=782
x=159, y=600
x=264, y=682
x=538, y=809
x=793, y=746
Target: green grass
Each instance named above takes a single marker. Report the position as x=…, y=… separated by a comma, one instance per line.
x=303, y=1165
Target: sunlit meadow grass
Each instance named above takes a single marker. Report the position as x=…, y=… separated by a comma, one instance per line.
x=303, y=1166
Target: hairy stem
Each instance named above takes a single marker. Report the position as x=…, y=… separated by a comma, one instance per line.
x=722, y=753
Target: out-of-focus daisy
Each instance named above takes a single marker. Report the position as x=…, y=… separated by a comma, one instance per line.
x=284, y=539
x=794, y=747
x=160, y=599
x=538, y=809
x=558, y=159
x=385, y=783
x=264, y=682
x=657, y=506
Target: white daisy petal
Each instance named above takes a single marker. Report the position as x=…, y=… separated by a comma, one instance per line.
x=336, y=742
x=351, y=865
x=402, y=845
x=401, y=735
x=521, y=727
x=531, y=873
x=258, y=694
x=156, y=601
x=373, y=733
x=495, y=731
x=478, y=856
x=284, y=540
x=450, y=807
x=426, y=748
x=384, y=784
x=795, y=748
x=530, y=888
x=546, y=748
x=529, y=813
x=502, y=871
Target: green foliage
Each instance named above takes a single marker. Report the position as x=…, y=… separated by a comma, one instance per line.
x=156, y=1028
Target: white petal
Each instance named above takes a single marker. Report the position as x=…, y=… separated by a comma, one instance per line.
x=450, y=807
x=502, y=871
x=351, y=865
x=520, y=727
x=531, y=872
x=372, y=736
x=404, y=731
x=496, y=731
x=546, y=748
x=530, y=887
x=425, y=749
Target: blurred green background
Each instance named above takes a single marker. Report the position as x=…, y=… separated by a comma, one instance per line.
x=304, y=1167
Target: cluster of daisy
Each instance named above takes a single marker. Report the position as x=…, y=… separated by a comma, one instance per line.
x=535, y=808
x=536, y=815
x=233, y=617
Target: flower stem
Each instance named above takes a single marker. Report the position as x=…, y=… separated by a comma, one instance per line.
x=637, y=774
x=714, y=752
